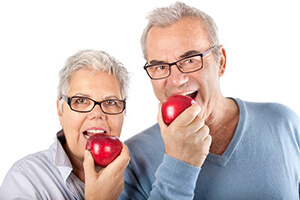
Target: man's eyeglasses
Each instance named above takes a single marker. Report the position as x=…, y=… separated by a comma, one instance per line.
x=185, y=65
x=85, y=104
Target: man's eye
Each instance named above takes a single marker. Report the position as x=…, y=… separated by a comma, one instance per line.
x=160, y=67
x=190, y=61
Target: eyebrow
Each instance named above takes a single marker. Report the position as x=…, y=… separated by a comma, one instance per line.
x=154, y=62
x=189, y=53
x=186, y=54
x=81, y=94
x=88, y=96
x=111, y=97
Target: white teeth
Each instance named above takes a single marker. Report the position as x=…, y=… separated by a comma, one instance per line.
x=95, y=131
x=187, y=93
x=87, y=134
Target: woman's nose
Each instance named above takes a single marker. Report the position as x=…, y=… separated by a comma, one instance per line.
x=97, y=113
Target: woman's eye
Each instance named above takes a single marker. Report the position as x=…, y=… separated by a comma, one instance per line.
x=110, y=102
x=81, y=100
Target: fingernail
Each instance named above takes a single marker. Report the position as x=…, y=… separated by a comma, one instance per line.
x=86, y=153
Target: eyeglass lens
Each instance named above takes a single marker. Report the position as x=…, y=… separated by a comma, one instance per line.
x=186, y=65
x=83, y=104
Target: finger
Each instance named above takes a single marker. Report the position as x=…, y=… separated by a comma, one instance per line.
x=161, y=123
x=89, y=165
x=207, y=143
x=203, y=133
x=188, y=115
x=208, y=140
x=195, y=126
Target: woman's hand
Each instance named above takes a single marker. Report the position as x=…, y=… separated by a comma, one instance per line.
x=109, y=181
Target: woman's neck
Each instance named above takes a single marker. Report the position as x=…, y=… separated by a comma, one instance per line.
x=77, y=163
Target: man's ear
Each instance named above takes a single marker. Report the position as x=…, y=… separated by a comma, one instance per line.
x=59, y=112
x=222, y=61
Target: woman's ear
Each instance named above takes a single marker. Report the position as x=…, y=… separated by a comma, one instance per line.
x=59, y=112
x=222, y=61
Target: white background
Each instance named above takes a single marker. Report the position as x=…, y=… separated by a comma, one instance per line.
x=36, y=37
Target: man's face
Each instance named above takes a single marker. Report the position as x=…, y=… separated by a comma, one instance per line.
x=97, y=86
x=170, y=44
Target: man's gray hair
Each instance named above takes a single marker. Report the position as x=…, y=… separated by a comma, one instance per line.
x=95, y=60
x=166, y=16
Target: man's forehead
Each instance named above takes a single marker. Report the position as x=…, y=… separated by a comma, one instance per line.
x=183, y=55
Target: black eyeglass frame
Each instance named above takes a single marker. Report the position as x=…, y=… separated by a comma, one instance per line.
x=175, y=63
x=69, y=100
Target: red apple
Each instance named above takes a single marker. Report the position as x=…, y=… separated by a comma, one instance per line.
x=104, y=148
x=174, y=106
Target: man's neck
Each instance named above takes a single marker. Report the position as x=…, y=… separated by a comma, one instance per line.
x=222, y=122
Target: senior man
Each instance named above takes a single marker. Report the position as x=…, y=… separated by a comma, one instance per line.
x=253, y=147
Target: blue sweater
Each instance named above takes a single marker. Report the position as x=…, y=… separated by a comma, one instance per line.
x=261, y=162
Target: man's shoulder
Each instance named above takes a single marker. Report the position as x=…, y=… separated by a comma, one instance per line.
x=151, y=133
x=150, y=138
x=271, y=109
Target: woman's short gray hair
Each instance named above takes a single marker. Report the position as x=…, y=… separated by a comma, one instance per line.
x=95, y=60
x=166, y=16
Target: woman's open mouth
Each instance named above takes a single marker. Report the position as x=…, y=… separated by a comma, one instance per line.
x=88, y=133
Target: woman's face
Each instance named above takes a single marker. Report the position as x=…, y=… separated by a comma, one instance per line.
x=99, y=86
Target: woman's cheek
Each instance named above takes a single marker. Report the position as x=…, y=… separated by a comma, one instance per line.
x=116, y=125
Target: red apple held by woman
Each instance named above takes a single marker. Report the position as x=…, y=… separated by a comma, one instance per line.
x=174, y=106
x=104, y=148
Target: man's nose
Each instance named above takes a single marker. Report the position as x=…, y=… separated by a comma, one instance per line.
x=177, y=78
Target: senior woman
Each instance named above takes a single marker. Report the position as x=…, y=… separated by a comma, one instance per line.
x=66, y=170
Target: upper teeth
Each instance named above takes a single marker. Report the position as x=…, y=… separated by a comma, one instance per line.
x=187, y=93
x=92, y=132
x=95, y=131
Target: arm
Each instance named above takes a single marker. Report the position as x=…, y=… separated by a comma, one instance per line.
x=176, y=177
x=174, y=180
x=17, y=185
x=109, y=181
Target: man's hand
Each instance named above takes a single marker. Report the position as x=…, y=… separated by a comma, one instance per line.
x=187, y=137
x=109, y=181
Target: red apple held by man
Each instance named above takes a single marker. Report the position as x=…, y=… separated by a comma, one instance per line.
x=104, y=148
x=174, y=106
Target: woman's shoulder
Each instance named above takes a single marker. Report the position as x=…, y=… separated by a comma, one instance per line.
x=32, y=162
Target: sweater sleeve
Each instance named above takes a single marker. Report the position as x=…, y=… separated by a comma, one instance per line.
x=174, y=179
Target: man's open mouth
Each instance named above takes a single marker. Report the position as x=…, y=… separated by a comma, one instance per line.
x=191, y=94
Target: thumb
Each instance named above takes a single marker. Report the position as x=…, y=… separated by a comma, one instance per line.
x=161, y=123
x=88, y=165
